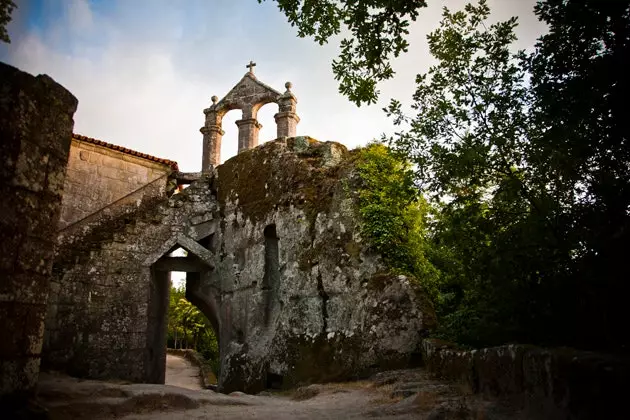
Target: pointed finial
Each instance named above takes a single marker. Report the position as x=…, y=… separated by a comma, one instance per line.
x=214, y=99
x=288, y=85
x=251, y=66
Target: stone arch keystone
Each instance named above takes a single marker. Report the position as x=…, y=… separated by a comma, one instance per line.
x=185, y=242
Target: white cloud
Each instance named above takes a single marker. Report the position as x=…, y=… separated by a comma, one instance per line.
x=144, y=71
x=79, y=15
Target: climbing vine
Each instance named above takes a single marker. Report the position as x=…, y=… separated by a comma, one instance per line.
x=394, y=214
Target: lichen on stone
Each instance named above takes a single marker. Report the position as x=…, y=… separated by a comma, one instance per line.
x=311, y=301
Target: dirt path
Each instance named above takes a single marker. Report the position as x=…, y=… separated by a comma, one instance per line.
x=180, y=372
x=400, y=395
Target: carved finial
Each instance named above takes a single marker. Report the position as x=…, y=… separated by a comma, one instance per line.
x=288, y=85
x=214, y=99
x=251, y=66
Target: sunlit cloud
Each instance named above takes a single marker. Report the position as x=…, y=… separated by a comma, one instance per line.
x=143, y=71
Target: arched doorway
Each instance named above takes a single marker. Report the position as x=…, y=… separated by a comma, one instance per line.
x=197, y=268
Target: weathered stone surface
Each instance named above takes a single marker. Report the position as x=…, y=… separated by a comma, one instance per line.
x=451, y=363
x=557, y=383
x=96, y=176
x=35, y=129
x=282, y=273
x=249, y=95
x=109, y=304
x=70, y=398
x=330, y=310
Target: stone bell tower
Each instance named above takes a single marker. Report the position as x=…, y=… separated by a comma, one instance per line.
x=249, y=95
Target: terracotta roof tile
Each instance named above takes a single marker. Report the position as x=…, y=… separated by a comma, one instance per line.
x=86, y=139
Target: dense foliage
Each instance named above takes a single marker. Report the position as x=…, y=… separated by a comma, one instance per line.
x=526, y=158
x=6, y=8
x=524, y=162
x=188, y=328
x=393, y=213
x=378, y=30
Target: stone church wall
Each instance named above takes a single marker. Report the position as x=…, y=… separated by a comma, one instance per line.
x=106, y=317
x=294, y=292
x=35, y=130
x=98, y=175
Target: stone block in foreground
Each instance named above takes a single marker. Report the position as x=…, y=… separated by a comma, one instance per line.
x=545, y=383
x=35, y=131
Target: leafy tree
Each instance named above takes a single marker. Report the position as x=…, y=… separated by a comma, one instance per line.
x=467, y=143
x=378, y=31
x=191, y=321
x=188, y=327
x=393, y=213
x=580, y=89
x=6, y=8
x=175, y=332
x=524, y=156
x=527, y=158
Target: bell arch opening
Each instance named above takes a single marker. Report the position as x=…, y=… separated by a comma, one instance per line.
x=229, y=143
x=265, y=116
x=249, y=95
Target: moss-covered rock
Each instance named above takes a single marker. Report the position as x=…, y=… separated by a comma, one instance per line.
x=338, y=312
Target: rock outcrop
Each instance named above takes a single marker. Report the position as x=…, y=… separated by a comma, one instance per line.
x=302, y=297
x=275, y=260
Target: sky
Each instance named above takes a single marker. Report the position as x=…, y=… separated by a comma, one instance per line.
x=144, y=70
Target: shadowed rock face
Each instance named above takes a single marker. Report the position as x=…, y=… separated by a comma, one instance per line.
x=276, y=262
x=35, y=129
x=548, y=383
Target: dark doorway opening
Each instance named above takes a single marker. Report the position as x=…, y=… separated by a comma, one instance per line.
x=274, y=381
x=272, y=259
x=182, y=315
x=271, y=276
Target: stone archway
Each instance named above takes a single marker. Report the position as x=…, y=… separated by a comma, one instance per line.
x=249, y=95
x=196, y=264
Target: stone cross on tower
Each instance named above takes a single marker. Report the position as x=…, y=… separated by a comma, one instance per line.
x=249, y=95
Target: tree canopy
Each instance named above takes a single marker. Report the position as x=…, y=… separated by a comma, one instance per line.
x=6, y=8
x=188, y=328
x=378, y=32
x=526, y=158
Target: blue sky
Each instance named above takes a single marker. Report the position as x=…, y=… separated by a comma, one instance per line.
x=144, y=70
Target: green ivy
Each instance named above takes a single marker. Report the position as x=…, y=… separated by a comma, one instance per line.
x=394, y=214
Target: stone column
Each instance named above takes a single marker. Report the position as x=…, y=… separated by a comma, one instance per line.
x=212, y=135
x=36, y=130
x=287, y=120
x=248, y=129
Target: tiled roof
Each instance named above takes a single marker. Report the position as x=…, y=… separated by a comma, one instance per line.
x=86, y=139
